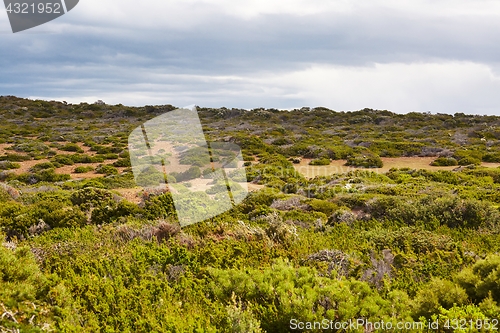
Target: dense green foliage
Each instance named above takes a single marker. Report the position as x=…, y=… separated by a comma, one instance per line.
x=408, y=245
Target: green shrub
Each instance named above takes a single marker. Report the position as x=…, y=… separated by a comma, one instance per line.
x=365, y=161
x=122, y=162
x=433, y=211
x=151, y=176
x=83, y=169
x=62, y=159
x=4, y=195
x=15, y=157
x=192, y=173
x=7, y=165
x=22, y=285
x=322, y=206
x=444, y=161
x=492, y=157
x=467, y=157
x=111, y=156
x=320, y=161
x=124, y=154
x=42, y=166
x=439, y=293
x=105, y=149
x=276, y=294
x=111, y=212
x=281, y=141
x=160, y=206
x=195, y=156
x=106, y=169
x=468, y=160
x=84, y=158
x=482, y=280
x=72, y=147
x=47, y=175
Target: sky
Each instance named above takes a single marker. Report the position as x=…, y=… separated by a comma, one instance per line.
x=438, y=56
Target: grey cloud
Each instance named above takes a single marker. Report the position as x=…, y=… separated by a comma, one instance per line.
x=105, y=59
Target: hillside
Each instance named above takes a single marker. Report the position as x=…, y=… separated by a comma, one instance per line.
x=346, y=220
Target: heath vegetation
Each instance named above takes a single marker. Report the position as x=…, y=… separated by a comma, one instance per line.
x=84, y=249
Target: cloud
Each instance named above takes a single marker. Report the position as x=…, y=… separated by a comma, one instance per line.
x=444, y=87
x=399, y=55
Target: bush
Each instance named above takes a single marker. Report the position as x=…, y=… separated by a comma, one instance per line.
x=48, y=175
x=192, y=173
x=468, y=160
x=320, y=161
x=150, y=177
x=62, y=159
x=195, y=156
x=276, y=294
x=322, y=206
x=28, y=220
x=111, y=156
x=365, y=161
x=161, y=206
x=444, y=161
x=431, y=212
x=112, y=211
x=15, y=158
x=83, y=169
x=492, y=157
x=7, y=165
x=84, y=158
x=467, y=157
x=42, y=166
x=22, y=284
x=89, y=197
x=482, y=280
x=439, y=293
x=122, y=162
x=106, y=169
x=72, y=147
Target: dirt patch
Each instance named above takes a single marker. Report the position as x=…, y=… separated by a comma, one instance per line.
x=338, y=166
x=130, y=194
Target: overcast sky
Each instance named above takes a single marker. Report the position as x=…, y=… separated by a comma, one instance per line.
x=440, y=56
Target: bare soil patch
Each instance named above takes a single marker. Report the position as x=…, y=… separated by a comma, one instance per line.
x=338, y=166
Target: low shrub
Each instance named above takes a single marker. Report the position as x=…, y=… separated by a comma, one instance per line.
x=106, y=169
x=320, y=161
x=160, y=206
x=62, y=159
x=84, y=158
x=15, y=157
x=8, y=165
x=47, y=175
x=438, y=294
x=468, y=160
x=42, y=166
x=491, y=157
x=444, y=161
x=72, y=147
x=111, y=156
x=122, y=162
x=83, y=169
x=365, y=161
x=192, y=173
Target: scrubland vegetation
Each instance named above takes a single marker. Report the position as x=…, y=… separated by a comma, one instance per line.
x=79, y=255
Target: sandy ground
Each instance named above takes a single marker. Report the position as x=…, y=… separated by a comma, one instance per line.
x=337, y=166
x=309, y=171
x=130, y=194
